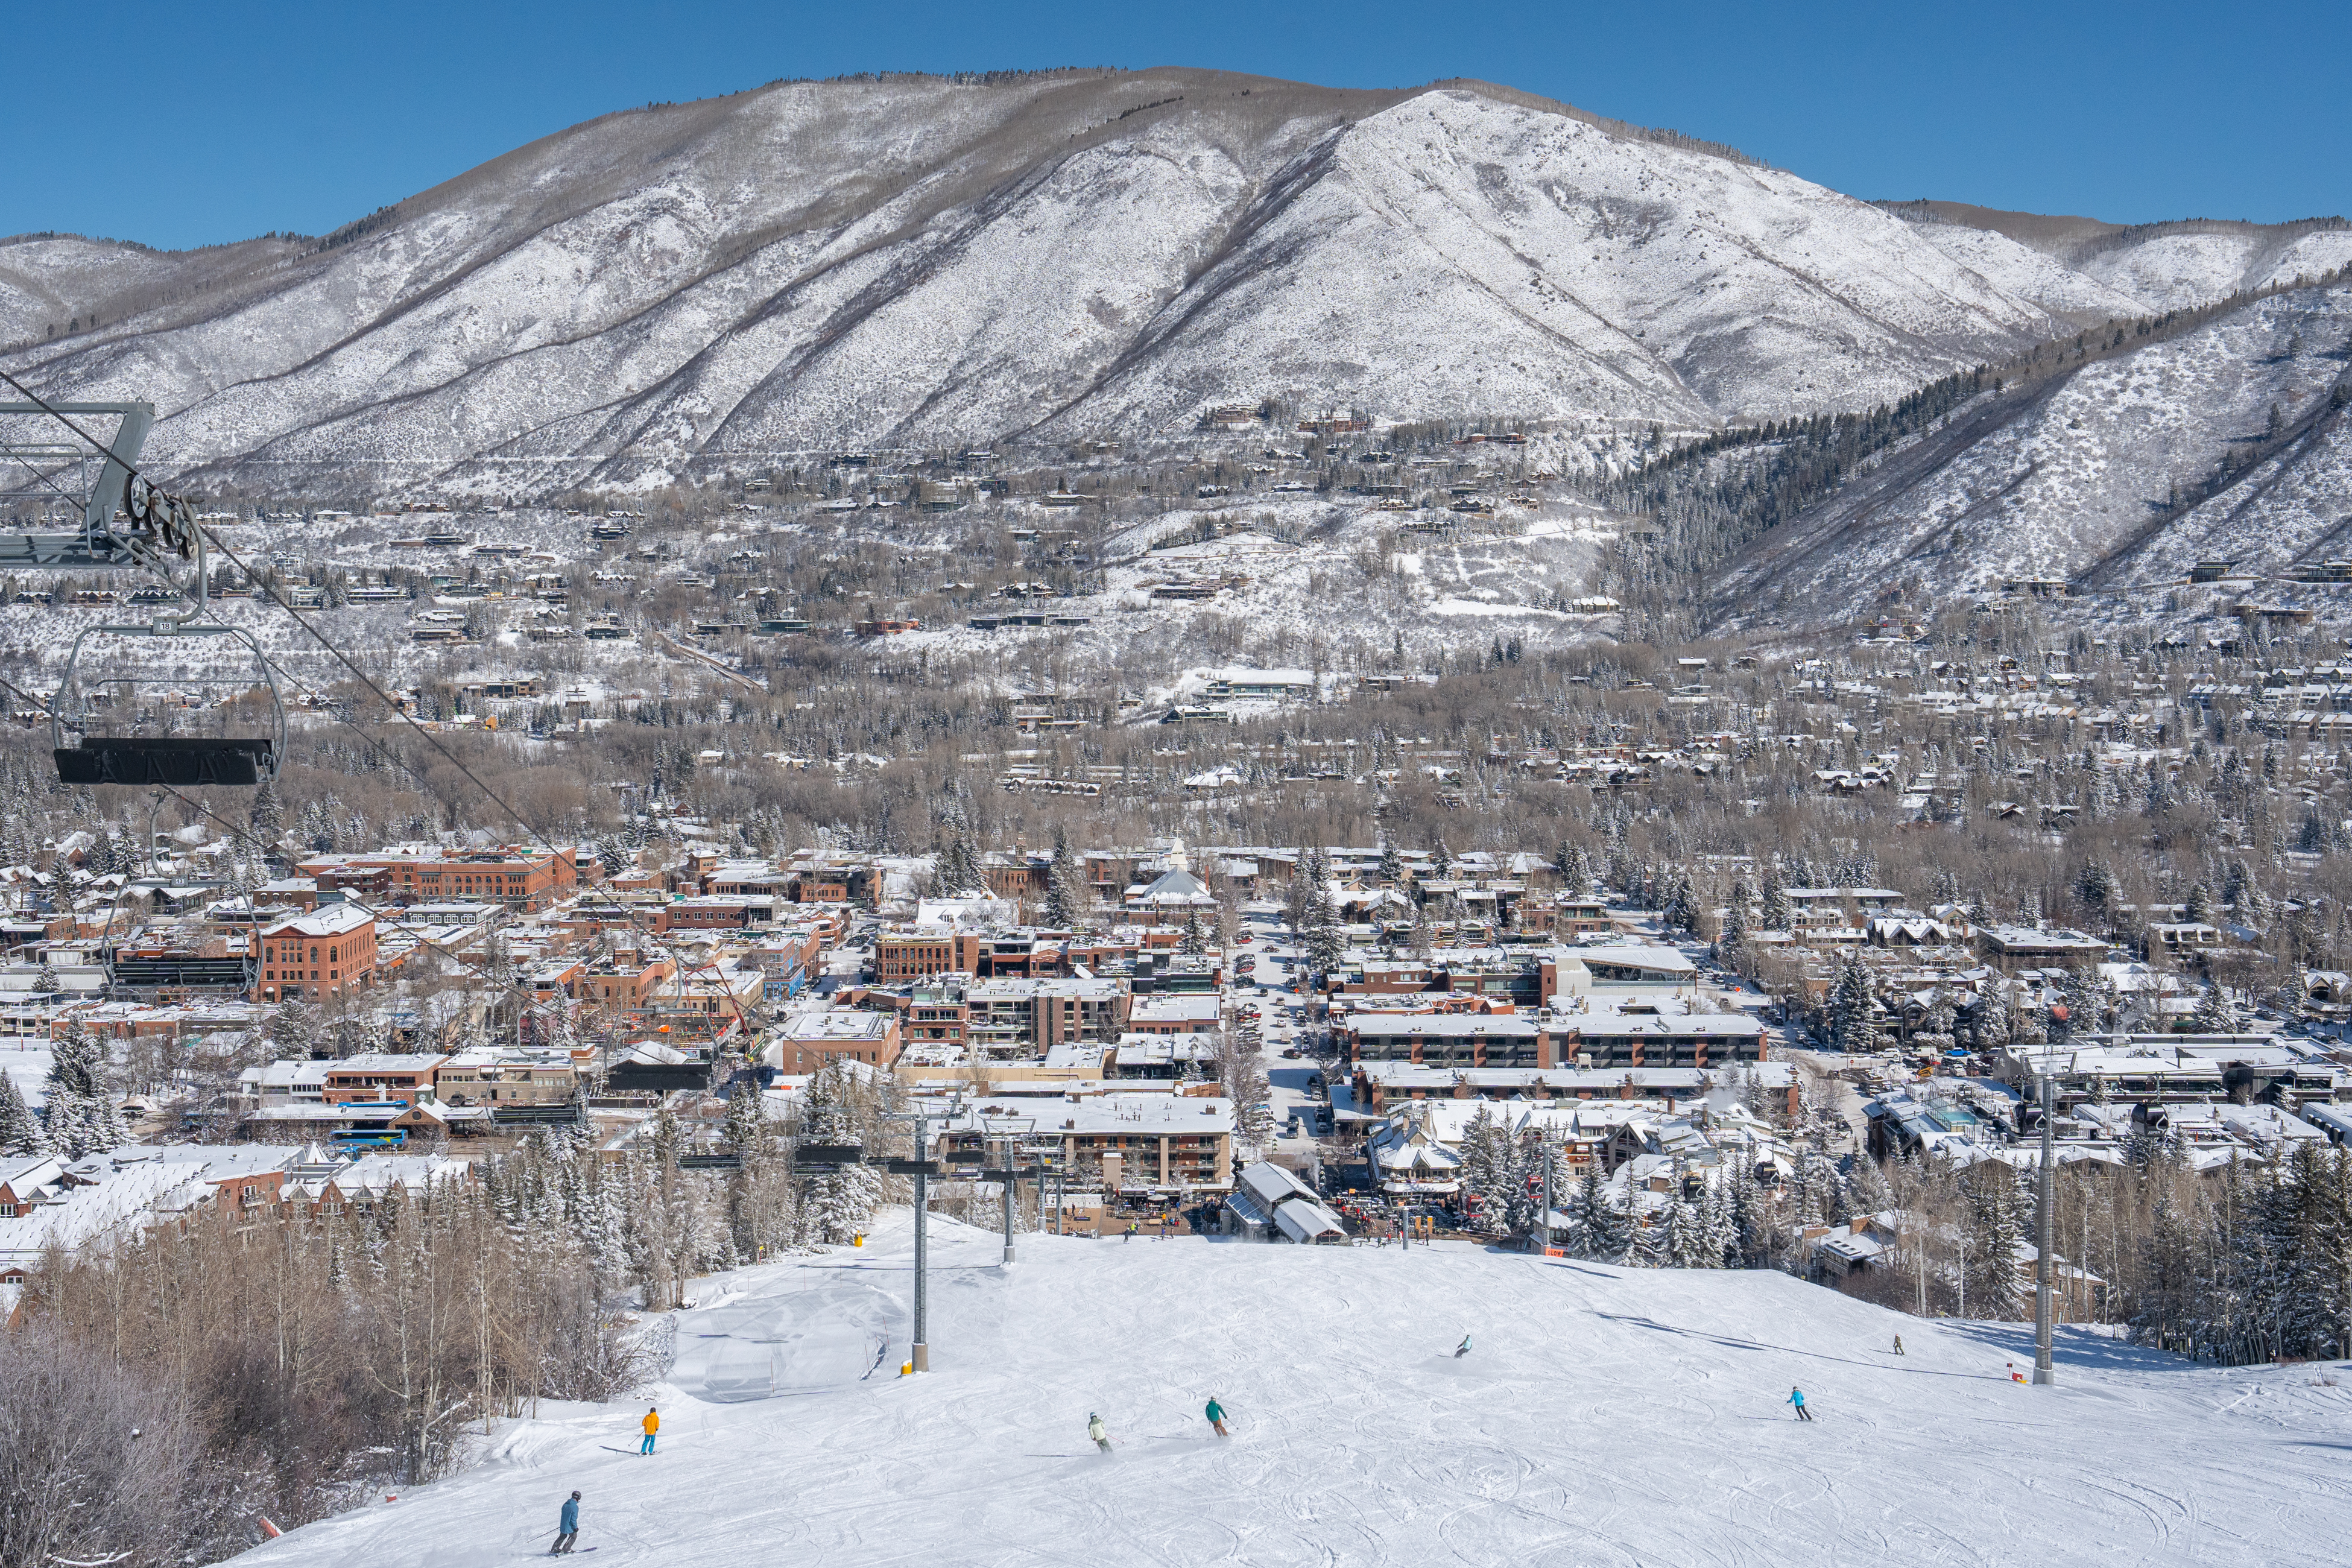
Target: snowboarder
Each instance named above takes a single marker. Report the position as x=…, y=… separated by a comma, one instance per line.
x=567, y=1527
x=652, y=1425
x=1898, y=1344
x=1130, y=1231
x=1797, y=1398
x=1098, y=1432
x=1463, y=1349
x=1217, y=1418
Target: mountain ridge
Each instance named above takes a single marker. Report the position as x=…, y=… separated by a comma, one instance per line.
x=683, y=291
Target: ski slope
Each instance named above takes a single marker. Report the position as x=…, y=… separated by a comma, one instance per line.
x=1605, y=1417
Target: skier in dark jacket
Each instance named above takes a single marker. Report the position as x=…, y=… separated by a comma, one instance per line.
x=1797, y=1398
x=567, y=1528
x=1898, y=1344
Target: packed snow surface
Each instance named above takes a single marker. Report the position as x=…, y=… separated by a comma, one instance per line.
x=1604, y=1416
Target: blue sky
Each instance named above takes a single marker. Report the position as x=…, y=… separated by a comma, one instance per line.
x=190, y=125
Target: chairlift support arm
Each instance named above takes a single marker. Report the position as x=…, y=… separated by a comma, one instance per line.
x=96, y=544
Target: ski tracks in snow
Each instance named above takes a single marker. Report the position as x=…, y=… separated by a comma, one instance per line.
x=1607, y=1419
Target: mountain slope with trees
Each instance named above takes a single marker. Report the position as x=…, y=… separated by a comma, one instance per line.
x=687, y=289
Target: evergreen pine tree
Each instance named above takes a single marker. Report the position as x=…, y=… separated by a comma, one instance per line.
x=1718, y=1213
x=79, y=1114
x=1325, y=946
x=957, y=867
x=1524, y=1190
x=20, y=1129
x=1732, y=945
x=745, y=1121
x=1868, y=1191
x=2315, y=1232
x=1587, y=1225
x=838, y=1204
x=1476, y=1171
x=1681, y=911
x=1683, y=1242
x=1598, y=1226
x=1850, y=1005
x=2216, y=1014
x=1996, y=1227
x=266, y=816
x=1065, y=901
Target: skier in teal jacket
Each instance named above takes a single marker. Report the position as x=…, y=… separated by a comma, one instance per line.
x=1216, y=1414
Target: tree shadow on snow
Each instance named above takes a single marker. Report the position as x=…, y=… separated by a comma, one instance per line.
x=1882, y=1363
x=2068, y=1347
x=1587, y=1270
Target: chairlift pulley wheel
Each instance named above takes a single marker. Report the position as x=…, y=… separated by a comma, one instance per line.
x=167, y=521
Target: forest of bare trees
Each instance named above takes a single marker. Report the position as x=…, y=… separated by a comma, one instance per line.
x=299, y=1362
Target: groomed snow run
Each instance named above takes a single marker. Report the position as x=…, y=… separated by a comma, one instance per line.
x=1605, y=1417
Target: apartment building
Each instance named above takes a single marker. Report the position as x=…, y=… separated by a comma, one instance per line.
x=1029, y=1018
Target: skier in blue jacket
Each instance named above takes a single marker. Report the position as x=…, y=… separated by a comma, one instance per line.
x=1797, y=1398
x=568, y=1530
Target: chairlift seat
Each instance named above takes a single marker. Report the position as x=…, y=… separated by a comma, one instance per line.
x=228, y=762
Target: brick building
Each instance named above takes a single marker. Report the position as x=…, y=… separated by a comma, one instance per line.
x=809, y=1041
x=319, y=954
x=525, y=880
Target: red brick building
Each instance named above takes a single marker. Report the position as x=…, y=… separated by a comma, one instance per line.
x=520, y=879
x=318, y=953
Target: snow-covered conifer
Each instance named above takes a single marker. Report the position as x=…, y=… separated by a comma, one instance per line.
x=837, y=1204
x=1683, y=1242
x=77, y=1111
x=20, y=1129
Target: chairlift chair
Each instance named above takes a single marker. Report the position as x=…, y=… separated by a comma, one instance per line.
x=191, y=761
x=127, y=522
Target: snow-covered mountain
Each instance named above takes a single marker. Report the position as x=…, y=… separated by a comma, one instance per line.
x=2093, y=269
x=2226, y=443
x=934, y=262
x=1604, y=1416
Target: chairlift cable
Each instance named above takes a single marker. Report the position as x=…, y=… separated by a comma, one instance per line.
x=530, y=1002
x=410, y=720
x=51, y=409
x=45, y=479
x=334, y=711
x=400, y=763
x=279, y=599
